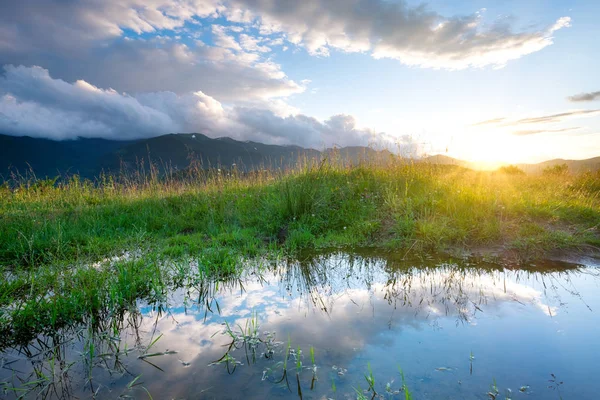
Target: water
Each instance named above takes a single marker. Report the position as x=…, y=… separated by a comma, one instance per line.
x=456, y=329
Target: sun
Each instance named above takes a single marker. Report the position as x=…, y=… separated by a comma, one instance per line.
x=491, y=148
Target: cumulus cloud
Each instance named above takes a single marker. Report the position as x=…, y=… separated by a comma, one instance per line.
x=251, y=43
x=414, y=35
x=64, y=26
x=339, y=130
x=34, y=103
x=585, y=96
x=87, y=40
x=166, y=65
x=41, y=30
x=223, y=39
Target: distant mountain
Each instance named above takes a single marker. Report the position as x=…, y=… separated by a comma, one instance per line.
x=179, y=150
x=575, y=166
x=49, y=158
x=445, y=160
x=89, y=157
x=357, y=153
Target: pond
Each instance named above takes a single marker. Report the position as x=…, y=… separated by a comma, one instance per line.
x=336, y=326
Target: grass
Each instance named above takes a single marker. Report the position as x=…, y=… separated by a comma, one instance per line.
x=52, y=232
x=398, y=205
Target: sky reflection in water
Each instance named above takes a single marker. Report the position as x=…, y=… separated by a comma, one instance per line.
x=521, y=326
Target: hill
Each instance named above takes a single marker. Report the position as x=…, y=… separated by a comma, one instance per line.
x=49, y=158
x=575, y=166
x=178, y=151
x=445, y=160
x=89, y=157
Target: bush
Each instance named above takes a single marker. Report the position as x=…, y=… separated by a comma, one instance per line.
x=511, y=170
x=556, y=170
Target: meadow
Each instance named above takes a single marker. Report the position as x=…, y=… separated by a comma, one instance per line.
x=55, y=234
x=397, y=205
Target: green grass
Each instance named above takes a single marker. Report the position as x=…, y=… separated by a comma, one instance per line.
x=422, y=207
x=50, y=230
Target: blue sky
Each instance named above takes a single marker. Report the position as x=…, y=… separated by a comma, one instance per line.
x=419, y=78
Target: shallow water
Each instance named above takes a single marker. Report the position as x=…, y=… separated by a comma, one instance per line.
x=456, y=329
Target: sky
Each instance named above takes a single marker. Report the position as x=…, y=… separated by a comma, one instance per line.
x=490, y=81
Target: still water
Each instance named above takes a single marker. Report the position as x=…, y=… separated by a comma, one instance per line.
x=337, y=326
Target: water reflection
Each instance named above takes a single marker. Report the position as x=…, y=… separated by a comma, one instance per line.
x=309, y=329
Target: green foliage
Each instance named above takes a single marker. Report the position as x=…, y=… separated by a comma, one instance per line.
x=412, y=206
x=511, y=170
x=300, y=238
x=370, y=378
x=556, y=170
x=407, y=393
x=586, y=184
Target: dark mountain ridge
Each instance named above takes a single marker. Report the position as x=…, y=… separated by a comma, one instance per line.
x=175, y=152
x=90, y=157
x=49, y=158
x=575, y=166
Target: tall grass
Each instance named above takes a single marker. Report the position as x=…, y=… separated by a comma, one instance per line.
x=396, y=204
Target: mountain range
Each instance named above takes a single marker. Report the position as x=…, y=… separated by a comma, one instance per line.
x=575, y=166
x=90, y=157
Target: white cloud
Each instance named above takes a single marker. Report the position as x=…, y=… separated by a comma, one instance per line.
x=33, y=103
x=250, y=43
x=56, y=26
x=264, y=125
x=222, y=39
x=152, y=65
x=86, y=40
x=413, y=35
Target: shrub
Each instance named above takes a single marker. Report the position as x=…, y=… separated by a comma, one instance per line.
x=511, y=170
x=556, y=170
